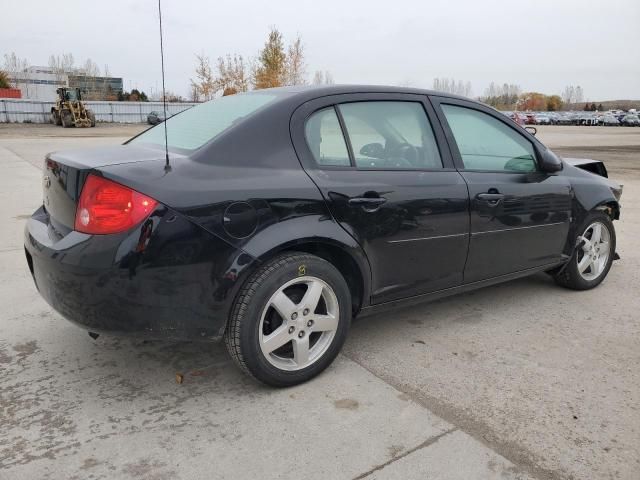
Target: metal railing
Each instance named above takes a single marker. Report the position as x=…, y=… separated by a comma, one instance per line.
x=37, y=111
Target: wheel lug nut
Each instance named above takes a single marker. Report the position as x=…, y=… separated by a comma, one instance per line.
x=294, y=315
x=305, y=311
x=309, y=323
x=301, y=334
x=291, y=329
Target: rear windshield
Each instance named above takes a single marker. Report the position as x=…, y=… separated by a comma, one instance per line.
x=194, y=127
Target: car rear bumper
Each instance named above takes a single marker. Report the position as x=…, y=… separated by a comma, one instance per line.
x=166, y=278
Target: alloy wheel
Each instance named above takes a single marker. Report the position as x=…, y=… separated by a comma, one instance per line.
x=298, y=323
x=594, y=253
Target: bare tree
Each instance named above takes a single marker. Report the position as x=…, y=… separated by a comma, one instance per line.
x=579, y=94
x=61, y=66
x=295, y=66
x=450, y=85
x=323, y=78
x=194, y=92
x=232, y=75
x=16, y=68
x=328, y=78
x=90, y=71
x=568, y=95
x=105, y=87
x=503, y=96
x=205, y=83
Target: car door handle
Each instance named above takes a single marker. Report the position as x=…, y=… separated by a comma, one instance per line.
x=492, y=199
x=367, y=200
x=368, y=204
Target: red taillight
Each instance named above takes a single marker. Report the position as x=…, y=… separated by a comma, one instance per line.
x=108, y=207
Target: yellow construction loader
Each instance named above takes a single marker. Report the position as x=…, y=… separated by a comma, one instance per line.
x=69, y=111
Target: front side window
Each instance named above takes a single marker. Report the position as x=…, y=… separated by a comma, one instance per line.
x=325, y=139
x=390, y=135
x=485, y=143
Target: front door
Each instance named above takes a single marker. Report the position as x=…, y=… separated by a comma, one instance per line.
x=520, y=216
x=377, y=162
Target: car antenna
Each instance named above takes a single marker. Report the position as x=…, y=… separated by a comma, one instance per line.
x=167, y=166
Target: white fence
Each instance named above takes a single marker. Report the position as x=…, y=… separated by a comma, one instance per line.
x=36, y=111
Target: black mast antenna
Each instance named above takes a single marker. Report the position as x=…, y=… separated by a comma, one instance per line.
x=167, y=167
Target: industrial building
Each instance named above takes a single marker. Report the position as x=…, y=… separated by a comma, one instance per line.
x=40, y=83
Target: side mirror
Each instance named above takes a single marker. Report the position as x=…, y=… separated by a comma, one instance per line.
x=549, y=161
x=372, y=150
x=531, y=130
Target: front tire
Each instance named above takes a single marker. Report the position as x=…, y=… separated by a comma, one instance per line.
x=290, y=320
x=66, y=119
x=593, y=256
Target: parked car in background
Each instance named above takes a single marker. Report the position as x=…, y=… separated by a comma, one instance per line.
x=285, y=213
x=519, y=118
x=542, y=119
x=554, y=118
x=609, y=121
x=588, y=119
x=565, y=118
x=530, y=118
x=630, y=121
x=154, y=118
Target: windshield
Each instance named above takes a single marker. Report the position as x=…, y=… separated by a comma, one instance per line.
x=196, y=126
x=71, y=96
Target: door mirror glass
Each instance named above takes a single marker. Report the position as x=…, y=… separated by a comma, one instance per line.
x=372, y=150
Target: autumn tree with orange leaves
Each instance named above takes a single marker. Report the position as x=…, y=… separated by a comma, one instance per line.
x=274, y=66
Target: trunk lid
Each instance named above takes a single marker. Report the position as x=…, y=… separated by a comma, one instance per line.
x=65, y=172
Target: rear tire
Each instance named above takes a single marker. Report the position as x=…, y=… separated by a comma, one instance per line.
x=289, y=320
x=92, y=117
x=593, y=256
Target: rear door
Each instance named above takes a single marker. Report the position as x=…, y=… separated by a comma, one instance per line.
x=520, y=216
x=380, y=163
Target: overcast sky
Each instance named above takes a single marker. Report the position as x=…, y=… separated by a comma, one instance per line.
x=541, y=45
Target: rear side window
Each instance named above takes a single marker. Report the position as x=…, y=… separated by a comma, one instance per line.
x=325, y=139
x=390, y=135
x=194, y=127
x=486, y=143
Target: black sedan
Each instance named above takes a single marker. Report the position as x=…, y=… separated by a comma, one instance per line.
x=280, y=215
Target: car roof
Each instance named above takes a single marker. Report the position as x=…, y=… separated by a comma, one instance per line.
x=314, y=91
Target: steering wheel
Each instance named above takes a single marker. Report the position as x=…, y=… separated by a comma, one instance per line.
x=404, y=155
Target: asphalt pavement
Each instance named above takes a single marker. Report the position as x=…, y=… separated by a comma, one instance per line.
x=516, y=381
